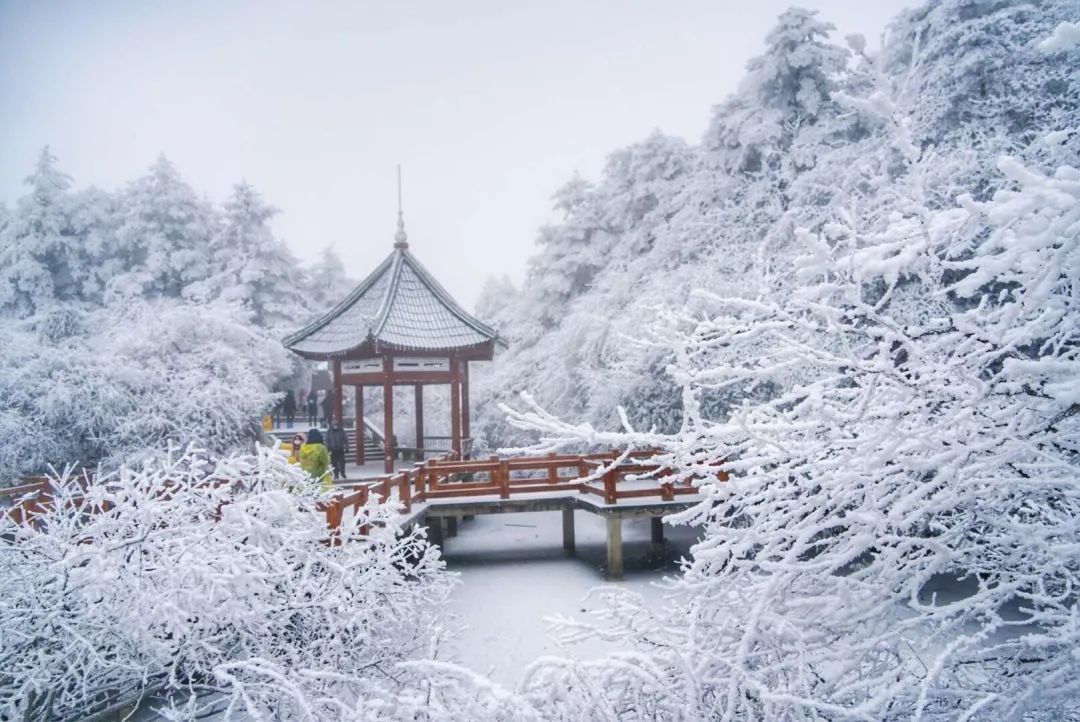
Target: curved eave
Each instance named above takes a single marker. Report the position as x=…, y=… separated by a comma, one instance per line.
x=337, y=310
x=372, y=349
x=375, y=341
x=448, y=301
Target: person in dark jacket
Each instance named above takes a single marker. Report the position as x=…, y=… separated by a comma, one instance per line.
x=327, y=408
x=288, y=407
x=313, y=408
x=338, y=444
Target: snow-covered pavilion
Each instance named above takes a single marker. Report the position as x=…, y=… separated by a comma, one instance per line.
x=399, y=327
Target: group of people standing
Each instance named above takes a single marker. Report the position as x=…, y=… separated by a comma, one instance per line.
x=323, y=459
x=285, y=411
x=321, y=456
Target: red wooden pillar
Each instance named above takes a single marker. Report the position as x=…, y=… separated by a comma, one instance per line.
x=388, y=413
x=465, y=432
x=360, y=429
x=418, y=397
x=338, y=400
x=455, y=407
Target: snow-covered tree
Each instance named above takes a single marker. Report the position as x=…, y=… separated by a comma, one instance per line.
x=200, y=586
x=327, y=283
x=898, y=536
x=785, y=89
x=161, y=242
x=118, y=383
x=39, y=248
x=816, y=137
x=496, y=300
x=257, y=268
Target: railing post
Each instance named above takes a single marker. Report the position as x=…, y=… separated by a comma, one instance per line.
x=553, y=469
x=334, y=511
x=403, y=491
x=365, y=494
x=504, y=479
x=610, y=495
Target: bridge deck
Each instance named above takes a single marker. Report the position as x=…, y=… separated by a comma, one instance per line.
x=438, y=492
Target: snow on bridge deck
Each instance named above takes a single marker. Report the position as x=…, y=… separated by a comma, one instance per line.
x=439, y=492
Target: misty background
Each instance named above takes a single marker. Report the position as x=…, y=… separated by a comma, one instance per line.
x=489, y=106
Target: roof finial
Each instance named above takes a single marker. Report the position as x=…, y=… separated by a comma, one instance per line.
x=401, y=240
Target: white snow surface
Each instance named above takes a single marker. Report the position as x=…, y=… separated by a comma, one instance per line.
x=514, y=574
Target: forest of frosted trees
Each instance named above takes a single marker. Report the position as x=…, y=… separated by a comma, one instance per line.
x=859, y=295
x=823, y=132
x=144, y=316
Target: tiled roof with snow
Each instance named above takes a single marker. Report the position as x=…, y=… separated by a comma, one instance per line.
x=399, y=305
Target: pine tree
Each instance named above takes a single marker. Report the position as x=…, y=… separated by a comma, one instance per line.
x=257, y=269
x=39, y=246
x=327, y=283
x=161, y=242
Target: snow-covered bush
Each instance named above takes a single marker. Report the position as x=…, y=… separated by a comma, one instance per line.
x=209, y=584
x=900, y=536
x=118, y=383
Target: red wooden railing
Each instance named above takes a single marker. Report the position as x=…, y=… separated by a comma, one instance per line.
x=448, y=478
x=504, y=477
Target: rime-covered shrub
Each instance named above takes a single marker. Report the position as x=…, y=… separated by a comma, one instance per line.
x=202, y=586
x=900, y=535
x=118, y=383
x=816, y=134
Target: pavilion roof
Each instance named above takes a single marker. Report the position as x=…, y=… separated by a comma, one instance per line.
x=399, y=306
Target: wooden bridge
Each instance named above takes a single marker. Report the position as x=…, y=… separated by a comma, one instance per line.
x=439, y=492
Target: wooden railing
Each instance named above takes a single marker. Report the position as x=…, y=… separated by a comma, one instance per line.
x=447, y=478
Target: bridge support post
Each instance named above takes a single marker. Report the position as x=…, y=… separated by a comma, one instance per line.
x=451, y=526
x=568, y=528
x=657, y=529
x=614, y=548
x=435, y=530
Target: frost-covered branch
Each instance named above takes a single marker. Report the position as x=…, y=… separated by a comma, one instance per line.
x=190, y=574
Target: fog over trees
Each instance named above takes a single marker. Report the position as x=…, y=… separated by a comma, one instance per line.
x=143, y=316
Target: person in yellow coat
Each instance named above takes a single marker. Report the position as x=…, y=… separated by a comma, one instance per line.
x=315, y=459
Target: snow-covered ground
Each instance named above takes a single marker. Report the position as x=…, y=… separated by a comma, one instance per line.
x=514, y=573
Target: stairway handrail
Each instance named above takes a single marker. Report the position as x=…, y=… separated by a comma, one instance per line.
x=370, y=425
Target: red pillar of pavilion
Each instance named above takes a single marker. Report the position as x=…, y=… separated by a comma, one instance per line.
x=399, y=327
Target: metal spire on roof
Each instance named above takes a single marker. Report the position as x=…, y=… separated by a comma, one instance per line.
x=401, y=239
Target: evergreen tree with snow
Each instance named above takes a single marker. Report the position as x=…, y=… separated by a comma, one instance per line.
x=161, y=241
x=256, y=269
x=39, y=247
x=497, y=297
x=818, y=137
x=327, y=283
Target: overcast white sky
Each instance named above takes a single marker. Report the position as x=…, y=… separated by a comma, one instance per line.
x=488, y=105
